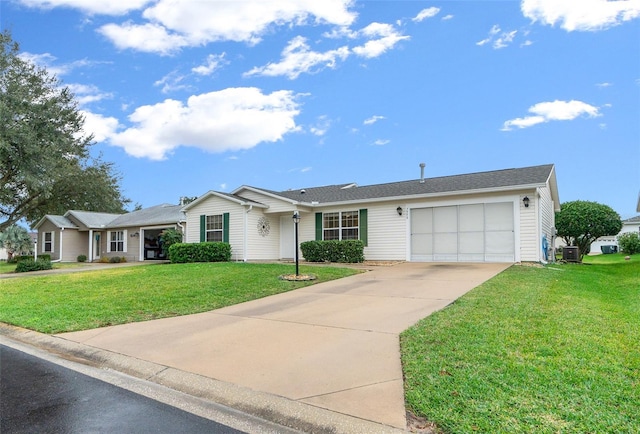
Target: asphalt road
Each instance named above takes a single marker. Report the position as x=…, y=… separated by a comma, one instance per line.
x=37, y=395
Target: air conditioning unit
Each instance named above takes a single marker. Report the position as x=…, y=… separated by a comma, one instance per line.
x=571, y=254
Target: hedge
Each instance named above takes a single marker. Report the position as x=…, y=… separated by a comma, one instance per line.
x=348, y=251
x=29, y=264
x=181, y=253
x=16, y=259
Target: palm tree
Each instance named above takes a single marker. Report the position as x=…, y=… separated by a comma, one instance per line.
x=16, y=240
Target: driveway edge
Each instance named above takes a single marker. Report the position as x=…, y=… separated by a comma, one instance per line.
x=276, y=409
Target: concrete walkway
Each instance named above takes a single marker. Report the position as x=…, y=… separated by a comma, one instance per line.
x=333, y=345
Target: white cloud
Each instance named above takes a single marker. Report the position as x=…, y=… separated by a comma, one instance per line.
x=174, y=24
x=426, y=13
x=150, y=38
x=321, y=127
x=553, y=111
x=172, y=82
x=447, y=17
x=102, y=128
x=298, y=58
x=381, y=142
x=583, y=15
x=110, y=7
x=86, y=94
x=48, y=60
x=603, y=85
x=387, y=36
x=373, y=119
x=212, y=63
x=501, y=41
x=230, y=119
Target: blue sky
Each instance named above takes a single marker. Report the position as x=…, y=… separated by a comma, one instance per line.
x=190, y=96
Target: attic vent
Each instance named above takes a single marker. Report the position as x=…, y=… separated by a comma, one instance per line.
x=422, y=166
x=303, y=191
x=349, y=186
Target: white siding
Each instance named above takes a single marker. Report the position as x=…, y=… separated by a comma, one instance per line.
x=547, y=219
x=261, y=246
x=529, y=239
x=387, y=232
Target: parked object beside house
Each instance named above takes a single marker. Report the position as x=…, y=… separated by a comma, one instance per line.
x=604, y=244
x=497, y=216
x=134, y=235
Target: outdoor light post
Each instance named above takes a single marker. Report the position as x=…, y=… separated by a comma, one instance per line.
x=296, y=220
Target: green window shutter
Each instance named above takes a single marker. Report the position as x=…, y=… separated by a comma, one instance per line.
x=364, y=226
x=318, y=226
x=225, y=227
x=203, y=228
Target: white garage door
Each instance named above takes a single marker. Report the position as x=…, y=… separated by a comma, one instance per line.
x=481, y=232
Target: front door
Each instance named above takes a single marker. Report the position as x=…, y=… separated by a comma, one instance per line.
x=96, y=245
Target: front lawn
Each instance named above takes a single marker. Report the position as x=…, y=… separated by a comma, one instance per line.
x=85, y=300
x=544, y=350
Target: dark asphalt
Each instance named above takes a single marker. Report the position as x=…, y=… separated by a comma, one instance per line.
x=37, y=396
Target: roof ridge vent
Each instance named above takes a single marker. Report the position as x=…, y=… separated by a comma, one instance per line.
x=353, y=184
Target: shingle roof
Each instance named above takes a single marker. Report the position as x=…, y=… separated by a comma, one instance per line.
x=635, y=219
x=92, y=219
x=61, y=221
x=155, y=215
x=498, y=179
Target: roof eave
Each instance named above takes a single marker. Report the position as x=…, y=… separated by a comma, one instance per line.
x=266, y=193
x=222, y=196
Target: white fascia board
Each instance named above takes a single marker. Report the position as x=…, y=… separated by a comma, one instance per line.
x=222, y=196
x=266, y=193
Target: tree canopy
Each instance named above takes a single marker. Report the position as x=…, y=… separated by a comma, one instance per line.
x=16, y=240
x=579, y=223
x=45, y=161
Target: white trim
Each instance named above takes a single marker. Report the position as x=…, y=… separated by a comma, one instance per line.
x=124, y=241
x=53, y=242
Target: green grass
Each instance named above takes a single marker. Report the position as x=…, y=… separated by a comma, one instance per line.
x=614, y=258
x=544, y=350
x=85, y=300
x=6, y=267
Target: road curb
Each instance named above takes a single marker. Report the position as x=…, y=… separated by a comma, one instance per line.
x=283, y=411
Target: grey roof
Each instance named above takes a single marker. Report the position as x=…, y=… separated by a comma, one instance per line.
x=61, y=221
x=635, y=219
x=92, y=220
x=155, y=215
x=230, y=196
x=493, y=180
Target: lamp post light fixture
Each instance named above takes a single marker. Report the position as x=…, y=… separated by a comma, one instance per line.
x=296, y=220
x=399, y=210
x=526, y=201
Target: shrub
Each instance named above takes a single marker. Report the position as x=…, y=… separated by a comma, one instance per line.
x=629, y=243
x=115, y=260
x=181, y=253
x=31, y=265
x=82, y=258
x=19, y=258
x=349, y=251
x=170, y=237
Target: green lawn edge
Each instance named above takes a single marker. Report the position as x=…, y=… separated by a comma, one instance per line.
x=535, y=349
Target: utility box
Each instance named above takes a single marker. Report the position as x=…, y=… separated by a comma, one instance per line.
x=571, y=253
x=609, y=249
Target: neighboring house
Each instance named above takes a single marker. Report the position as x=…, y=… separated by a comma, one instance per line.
x=628, y=225
x=134, y=236
x=498, y=216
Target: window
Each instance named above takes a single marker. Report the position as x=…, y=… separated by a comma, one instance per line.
x=47, y=242
x=214, y=228
x=117, y=241
x=340, y=225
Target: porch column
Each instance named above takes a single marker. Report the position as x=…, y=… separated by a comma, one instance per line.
x=90, y=255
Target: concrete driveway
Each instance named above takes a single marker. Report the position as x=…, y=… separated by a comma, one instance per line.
x=333, y=345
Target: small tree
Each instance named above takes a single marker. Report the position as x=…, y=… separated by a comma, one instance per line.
x=629, y=243
x=16, y=240
x=580, y=223
x=169, y=237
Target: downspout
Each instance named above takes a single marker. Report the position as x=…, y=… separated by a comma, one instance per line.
x=246, y=234
x=181, y=230
x=61, y=235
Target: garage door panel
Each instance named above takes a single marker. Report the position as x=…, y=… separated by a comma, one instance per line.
x=473, y=233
